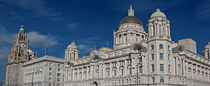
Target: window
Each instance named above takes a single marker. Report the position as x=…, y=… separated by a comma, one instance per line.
x=169, y=68
x=161, y=56
x=169, y=57
x=50, y=73
x=160, y=31
x=153, y=68
x=161, y=46
x=152, y=47
x=153, y=57
x=115, y=72
x=58, y=79
x=59, y=74
x=140, y=69
x=169, y=79
x=50, y=68
x=140, y=60
x=161, y=67
x=168, y=47
x=130, y=70
x=59, y=69
x=153, y=30
x=122, y=72
x=161, y=79
x=153, y=79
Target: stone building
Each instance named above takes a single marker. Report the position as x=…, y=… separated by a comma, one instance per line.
x=44, y=71
x=20, y=53
x=140, y=58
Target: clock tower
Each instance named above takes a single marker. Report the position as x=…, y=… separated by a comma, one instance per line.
x=20, y=53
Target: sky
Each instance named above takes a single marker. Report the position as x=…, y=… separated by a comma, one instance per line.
x=54, y=24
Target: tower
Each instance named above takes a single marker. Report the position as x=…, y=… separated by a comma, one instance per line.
x=130, y=31
x=72, y=52
x=206, y=51
x=159, y=45
x=159, y=26
x=20, y=53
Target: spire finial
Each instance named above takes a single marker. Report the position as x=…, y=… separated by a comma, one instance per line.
x=21, y=27
x=157, y=10
x=131, y=11
x=130, y=6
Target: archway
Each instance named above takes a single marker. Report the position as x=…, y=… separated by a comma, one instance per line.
x=95, y=83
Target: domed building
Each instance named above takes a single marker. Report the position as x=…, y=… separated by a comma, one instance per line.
x=140, y=58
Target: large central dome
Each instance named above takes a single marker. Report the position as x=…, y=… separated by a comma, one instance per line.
x=131, y=19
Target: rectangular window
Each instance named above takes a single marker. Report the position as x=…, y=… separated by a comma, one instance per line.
x=130, y=70
x=169, y=79
x=140, y=60
x=161, y=79
x=153, y=57
x=59, y=74
x=161, y=67
x=115, y=72
x=169, y=57
x=140, y=69
x=161, y=56
x=161, y=46
x=169, y=68
x=153, y=68
x=152, y=47
x=153, y=79
x=58, y=79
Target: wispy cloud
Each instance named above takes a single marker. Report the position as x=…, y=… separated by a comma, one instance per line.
x=85, y=48
x=72, y=26
x=204, y=10
x=38, y=8
x=5, y=42
x=38, y=40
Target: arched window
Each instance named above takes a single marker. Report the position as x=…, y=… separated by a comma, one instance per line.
x=153, y=30
x=160, y=30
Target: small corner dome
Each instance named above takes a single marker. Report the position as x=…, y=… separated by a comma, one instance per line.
x=72, y=45
x=30, y=51
x=131, y=19
x=158, y=13
x=207, y=46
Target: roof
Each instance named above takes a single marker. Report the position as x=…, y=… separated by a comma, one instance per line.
x=131, y=19
x=158, y=13
x=45, y=58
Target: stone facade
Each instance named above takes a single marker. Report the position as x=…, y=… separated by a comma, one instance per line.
x=20, y=53
x=147, y=59
x=44, y=71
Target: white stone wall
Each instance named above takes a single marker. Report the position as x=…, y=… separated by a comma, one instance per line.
x=43, y=72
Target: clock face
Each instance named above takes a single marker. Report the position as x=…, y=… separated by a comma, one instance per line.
x=22, y=45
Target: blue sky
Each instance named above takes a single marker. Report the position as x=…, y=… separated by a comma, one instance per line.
x=53, y=24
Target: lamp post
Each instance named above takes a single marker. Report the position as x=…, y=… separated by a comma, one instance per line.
x=140, y=49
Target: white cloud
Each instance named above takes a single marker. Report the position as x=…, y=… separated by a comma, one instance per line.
x=5, y=42
x=72, y=26
x=204, y=10
x=84, y=48
x=38, y=40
